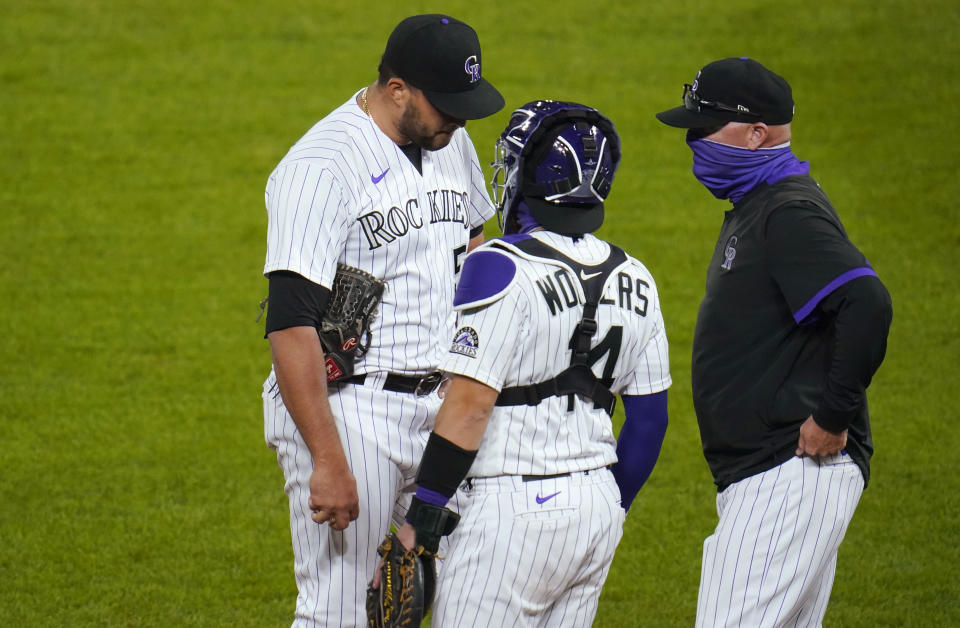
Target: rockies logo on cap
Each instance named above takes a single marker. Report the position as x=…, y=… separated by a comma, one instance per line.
x=472, y=67
x=424, y=51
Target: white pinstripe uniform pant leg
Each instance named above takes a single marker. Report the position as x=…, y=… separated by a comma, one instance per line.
x=772, y=558
x=518, y=561
x=333, y=568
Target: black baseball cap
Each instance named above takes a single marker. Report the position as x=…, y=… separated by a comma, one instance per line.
x=440, y=56
x=737, y=89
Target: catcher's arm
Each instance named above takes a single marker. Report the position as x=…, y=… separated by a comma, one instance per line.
x=463, y=417
x=639, y=442
x=450, y=451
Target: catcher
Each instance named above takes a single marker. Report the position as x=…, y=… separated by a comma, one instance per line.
x=553, y=325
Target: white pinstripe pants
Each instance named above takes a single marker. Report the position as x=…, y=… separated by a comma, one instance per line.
x=383, y=435
x=530, y=553
x=772, y=558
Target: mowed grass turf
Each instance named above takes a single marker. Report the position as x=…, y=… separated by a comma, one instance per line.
x=135, y=487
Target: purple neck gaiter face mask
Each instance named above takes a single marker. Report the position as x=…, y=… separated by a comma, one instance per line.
x=729, y=172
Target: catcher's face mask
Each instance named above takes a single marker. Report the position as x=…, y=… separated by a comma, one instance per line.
x=504, y=176
x=560, y=158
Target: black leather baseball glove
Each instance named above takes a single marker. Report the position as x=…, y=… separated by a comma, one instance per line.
x=345, y=326
x=408, y=578
x=407, y=582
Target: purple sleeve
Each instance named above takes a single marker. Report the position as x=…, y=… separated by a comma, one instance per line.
x=639, y=443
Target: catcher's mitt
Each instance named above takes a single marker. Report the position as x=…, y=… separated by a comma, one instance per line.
x=345, y=326
x=407, y=582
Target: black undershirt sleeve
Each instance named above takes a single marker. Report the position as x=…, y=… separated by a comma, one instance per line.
x=862, y=312
x=294, y=301
x=476, y=231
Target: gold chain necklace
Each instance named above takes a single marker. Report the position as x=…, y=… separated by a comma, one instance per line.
x=363, y=102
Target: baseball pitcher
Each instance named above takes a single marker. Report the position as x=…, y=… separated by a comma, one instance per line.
x=370, y=214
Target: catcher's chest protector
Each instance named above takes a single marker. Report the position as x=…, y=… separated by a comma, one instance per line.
x=578, y=378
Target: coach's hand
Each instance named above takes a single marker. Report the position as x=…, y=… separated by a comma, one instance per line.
x=816, y=441
x=333, y=495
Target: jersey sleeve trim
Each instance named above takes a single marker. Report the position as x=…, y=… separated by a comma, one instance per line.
x=651, y=388
x=824, y=292
x=483, y=376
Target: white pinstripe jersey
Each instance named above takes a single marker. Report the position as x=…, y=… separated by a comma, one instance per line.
x=346, y=193
x=523, y=338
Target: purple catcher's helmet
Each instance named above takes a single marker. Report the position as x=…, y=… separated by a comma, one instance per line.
x=559, y=158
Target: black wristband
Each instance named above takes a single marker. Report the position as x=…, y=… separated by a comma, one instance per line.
x=444, y=465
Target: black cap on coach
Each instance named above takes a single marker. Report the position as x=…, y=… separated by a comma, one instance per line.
x=440, y=56
x=737, y=89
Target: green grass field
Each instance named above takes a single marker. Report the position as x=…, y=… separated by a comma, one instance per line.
x=135, y=487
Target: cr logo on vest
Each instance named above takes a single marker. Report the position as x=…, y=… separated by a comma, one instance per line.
x=729, y=252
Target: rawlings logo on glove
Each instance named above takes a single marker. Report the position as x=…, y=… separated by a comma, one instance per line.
x=345, y=326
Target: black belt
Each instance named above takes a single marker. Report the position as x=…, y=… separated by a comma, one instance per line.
x=537, y=478
x=419, y=385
